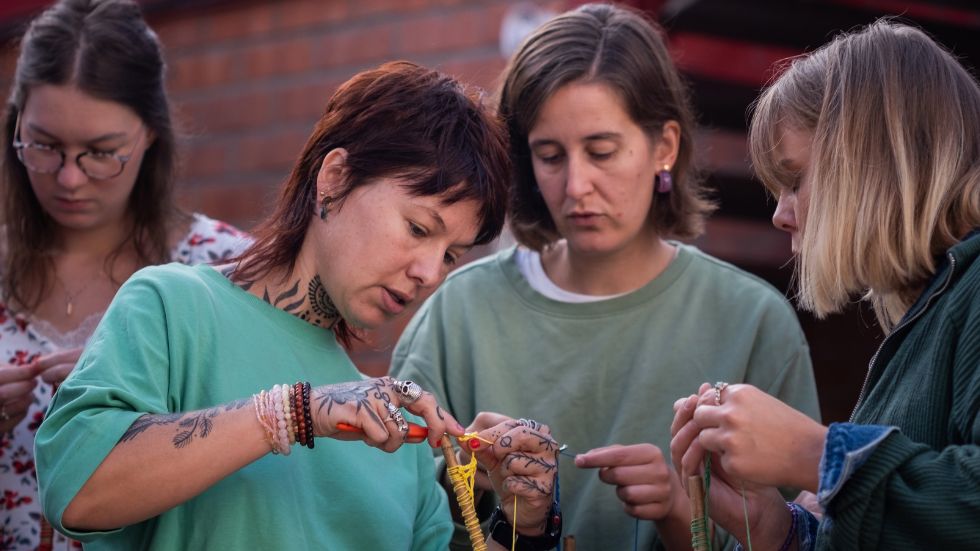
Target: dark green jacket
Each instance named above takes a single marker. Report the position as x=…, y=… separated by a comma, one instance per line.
x=920, y=488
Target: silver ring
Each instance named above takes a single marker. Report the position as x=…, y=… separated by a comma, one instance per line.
x=4, y=416
x=395, y=414
x=719, y=386
x=409, y=391
x=529, y=423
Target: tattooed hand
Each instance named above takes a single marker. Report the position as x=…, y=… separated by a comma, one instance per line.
x=522, y=461
x=365, y=404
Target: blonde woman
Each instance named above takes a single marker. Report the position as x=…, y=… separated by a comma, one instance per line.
x=872, y=145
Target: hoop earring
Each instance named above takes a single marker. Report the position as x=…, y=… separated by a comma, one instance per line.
x=663, y=180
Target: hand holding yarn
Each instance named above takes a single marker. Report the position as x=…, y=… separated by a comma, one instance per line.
x=54, y=368
x=763, y=509
x=758, y=438
x=17, y=384
x=522, y=462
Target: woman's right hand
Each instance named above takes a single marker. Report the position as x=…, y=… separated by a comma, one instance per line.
x=374, y=406
x=769, y=519
x=17, y=383
x=54, y=368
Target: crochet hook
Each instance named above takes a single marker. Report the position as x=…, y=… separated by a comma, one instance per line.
x=416, y=433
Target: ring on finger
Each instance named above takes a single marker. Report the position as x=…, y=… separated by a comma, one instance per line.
x=395, y=414
x=529, y=423
x=4, y=416
x=409, y=391
x=719, y=386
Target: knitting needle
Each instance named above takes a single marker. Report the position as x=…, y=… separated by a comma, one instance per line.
x=564, y=451
x=416, y=433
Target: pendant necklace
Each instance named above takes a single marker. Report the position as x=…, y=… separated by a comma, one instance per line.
x=69, y=296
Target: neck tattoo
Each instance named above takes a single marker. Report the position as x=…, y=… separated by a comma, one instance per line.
x=322, y=310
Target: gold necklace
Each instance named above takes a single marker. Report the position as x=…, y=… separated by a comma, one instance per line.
x=69, y=296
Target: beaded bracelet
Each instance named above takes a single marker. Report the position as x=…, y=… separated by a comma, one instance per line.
x=287, y=413
x=263, y=403
x=285, y=416
x=258, y=403
x=307, y=415
x=300, y=418
x=788, y=542
x=277, y=409
x=293, y=424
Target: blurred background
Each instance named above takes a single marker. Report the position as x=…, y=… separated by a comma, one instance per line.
x=249, y=78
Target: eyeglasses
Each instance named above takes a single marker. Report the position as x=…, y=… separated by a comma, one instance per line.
x=44, y=159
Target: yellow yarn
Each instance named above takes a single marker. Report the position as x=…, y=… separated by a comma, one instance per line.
x=462, y=477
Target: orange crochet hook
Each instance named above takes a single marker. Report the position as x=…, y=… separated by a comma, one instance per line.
x=416, y=433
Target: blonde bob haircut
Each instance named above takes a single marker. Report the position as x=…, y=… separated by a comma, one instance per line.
x=894, y=166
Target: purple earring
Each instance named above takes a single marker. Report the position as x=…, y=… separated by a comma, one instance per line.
x=664, y=180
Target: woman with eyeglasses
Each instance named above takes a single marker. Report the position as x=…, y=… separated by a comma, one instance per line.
x=88, y=172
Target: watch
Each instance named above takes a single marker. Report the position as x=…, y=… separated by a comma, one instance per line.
x=501, y=531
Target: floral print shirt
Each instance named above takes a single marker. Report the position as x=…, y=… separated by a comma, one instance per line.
x=22, y=340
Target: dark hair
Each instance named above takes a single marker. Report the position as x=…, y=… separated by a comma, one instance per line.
x=399, y=120
x=621, y=48
x=105, y=49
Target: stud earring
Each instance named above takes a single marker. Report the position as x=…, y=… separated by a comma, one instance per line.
x=663, y=180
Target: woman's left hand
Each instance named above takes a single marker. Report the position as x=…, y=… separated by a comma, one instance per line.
x=54, y=368
x=730, y=498
x=758, y=438
x=522, y=462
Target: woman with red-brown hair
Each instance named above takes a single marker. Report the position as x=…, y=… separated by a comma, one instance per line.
x=171, y=438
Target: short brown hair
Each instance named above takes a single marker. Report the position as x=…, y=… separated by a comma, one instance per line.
x=399, y=120
x=623, y=49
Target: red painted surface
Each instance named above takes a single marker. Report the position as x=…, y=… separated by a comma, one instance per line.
x=20, y=9
x=735, y=61
x=925, y=11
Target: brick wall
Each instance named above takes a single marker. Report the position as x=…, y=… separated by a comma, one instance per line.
x=249, y=79
x=252, y=78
